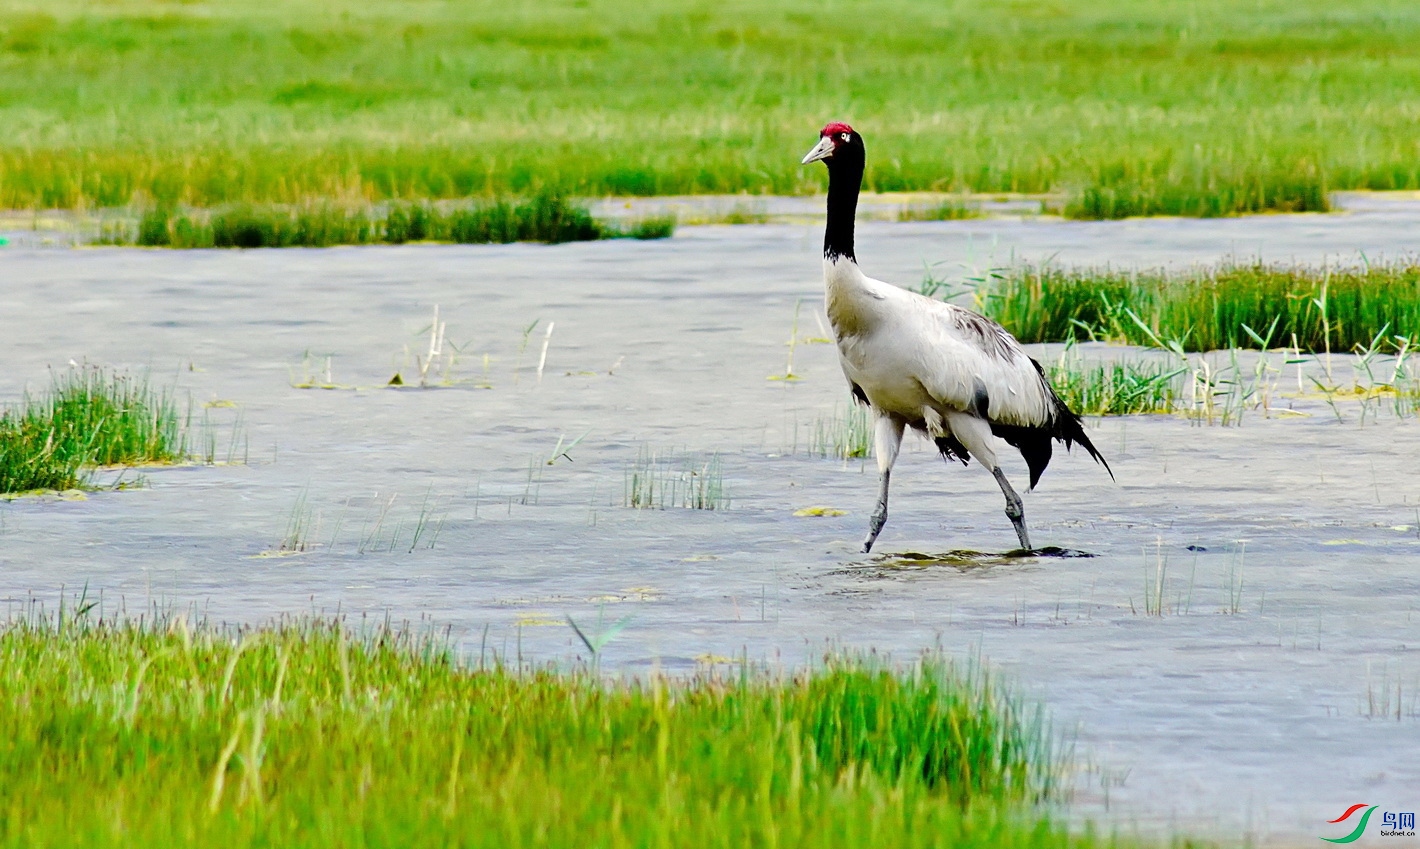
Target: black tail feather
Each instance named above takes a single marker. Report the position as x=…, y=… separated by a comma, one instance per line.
x=952, y=449
x=1034, y=443
x=1071, y=430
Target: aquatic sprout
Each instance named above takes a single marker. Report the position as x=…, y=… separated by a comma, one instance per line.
x=386, y=530
x=667, y=479
x=846, y=434
x=1390, y=698
x=563, y=448
x=313, y=377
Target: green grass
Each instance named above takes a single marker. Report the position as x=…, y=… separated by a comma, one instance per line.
x=1123, y=190
x=1222, y=387
x=951, y=210
x=306, y=734
x=544, y=218
x=89, y=417
x=1123, y=106
x=1340, y=309
x=1118, y=388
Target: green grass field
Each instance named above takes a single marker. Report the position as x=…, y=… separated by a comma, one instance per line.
x=309, y=735
x=1124, y=106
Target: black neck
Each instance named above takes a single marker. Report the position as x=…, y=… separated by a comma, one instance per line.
x=845, y=179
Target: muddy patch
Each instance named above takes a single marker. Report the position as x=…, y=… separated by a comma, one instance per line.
x=888, y=565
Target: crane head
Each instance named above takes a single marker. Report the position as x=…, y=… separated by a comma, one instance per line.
x=832, y=137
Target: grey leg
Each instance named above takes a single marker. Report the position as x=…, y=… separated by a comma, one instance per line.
x=1015, y=511
x=887, y=439
x=879, y=518
x=975, y=434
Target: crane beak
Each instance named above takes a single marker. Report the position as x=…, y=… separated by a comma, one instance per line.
x=822, y=150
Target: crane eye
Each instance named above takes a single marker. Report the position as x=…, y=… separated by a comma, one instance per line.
x=845, y=136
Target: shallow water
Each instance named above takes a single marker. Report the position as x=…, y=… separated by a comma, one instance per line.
x=1287, y=548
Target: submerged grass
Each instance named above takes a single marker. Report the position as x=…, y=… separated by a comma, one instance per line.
x=89, y=417
x=1127, y=108
x=846, y=435
x=543, y=218
x=1247, y=306
x=310, y=734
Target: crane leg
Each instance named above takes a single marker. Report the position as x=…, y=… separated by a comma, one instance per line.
x=1015, y=511
x=887, y=439
x=975, y=434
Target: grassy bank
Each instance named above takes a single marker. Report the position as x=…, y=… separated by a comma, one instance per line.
x=308, y=735
x=1127, y=107
x=544, y=218
x=1246, y=306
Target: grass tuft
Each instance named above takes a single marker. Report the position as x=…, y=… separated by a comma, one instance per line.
x=654, y=227
x=1120, y=191
x=1118, y=388
x=949, y=210
x=89, y=417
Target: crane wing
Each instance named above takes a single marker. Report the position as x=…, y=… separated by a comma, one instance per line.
x=1007, y=387
x=971, y=363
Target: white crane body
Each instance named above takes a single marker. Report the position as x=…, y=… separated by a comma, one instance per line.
x=952, y=374
x=909, y=353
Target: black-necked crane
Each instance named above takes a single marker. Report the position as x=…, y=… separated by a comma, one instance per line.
x=956, y=376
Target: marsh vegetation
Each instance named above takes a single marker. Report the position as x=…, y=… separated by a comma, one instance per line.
x=92, y=416
x=543, y=218
x=1314, y=309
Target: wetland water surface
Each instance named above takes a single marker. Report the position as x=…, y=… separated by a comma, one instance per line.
x=1261, y=703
